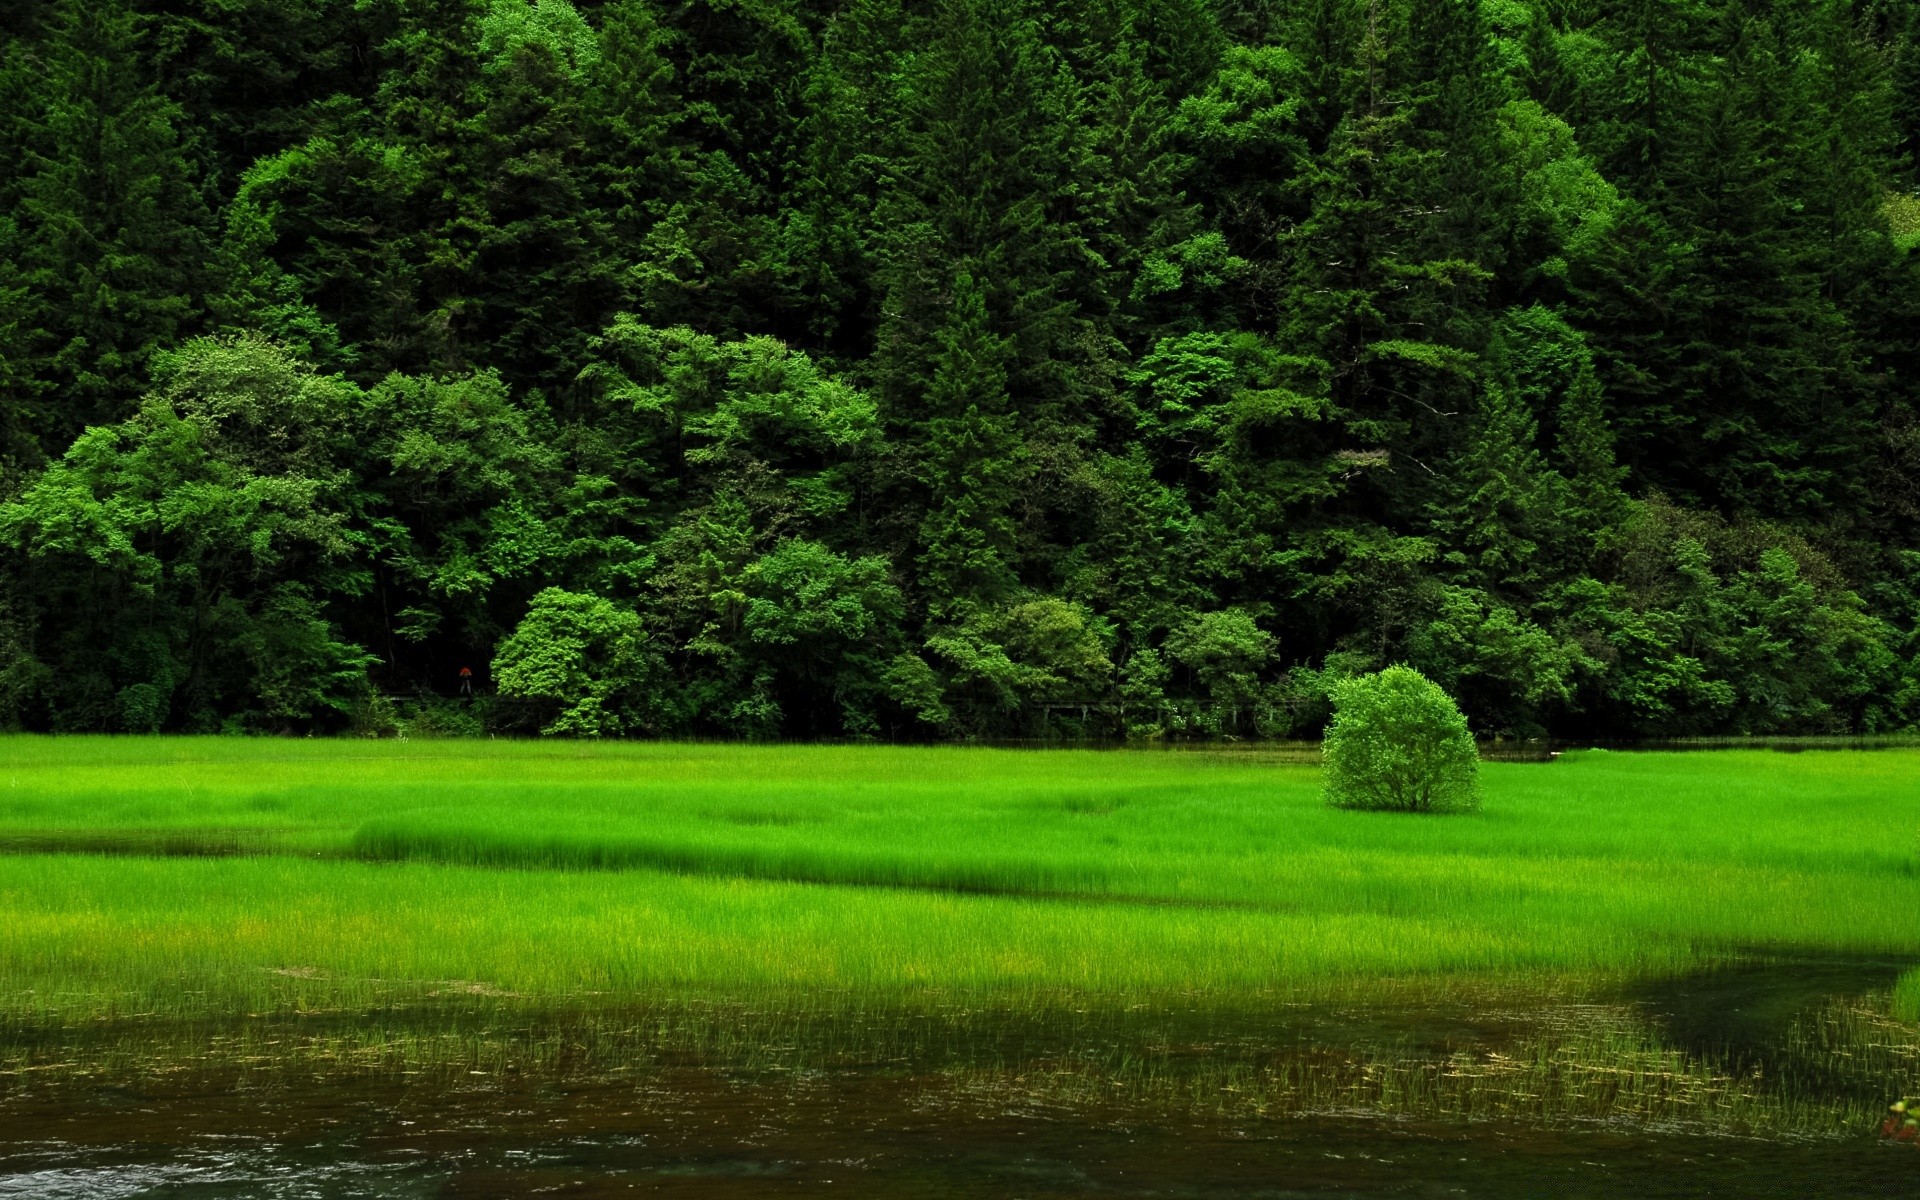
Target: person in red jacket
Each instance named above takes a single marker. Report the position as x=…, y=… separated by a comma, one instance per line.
x=466, y=681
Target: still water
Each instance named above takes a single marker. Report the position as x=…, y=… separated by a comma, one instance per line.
x=1761, y=1079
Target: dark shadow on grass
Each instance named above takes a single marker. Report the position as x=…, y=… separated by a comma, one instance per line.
x=700, y=864
x=1738, y=1015
x=148, y=843
x=255, y=843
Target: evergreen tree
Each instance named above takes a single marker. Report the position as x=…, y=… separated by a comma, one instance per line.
x=1760, y=403
x=984, y=185
x=1163, y=266
x=1896, y=26
x=544, y=277
x=111, y=231
x=1646, y=91
x=712, y=255
x=984, y=254
x=249, y=74
x=969, y=451
x=640, y=162
x=854, y=110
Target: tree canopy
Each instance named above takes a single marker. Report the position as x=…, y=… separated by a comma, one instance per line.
x=961, y=369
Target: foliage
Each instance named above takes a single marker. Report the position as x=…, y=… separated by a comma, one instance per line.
x=583, y=656
x=974, y=368
x=176, y=561
x=1397, y=743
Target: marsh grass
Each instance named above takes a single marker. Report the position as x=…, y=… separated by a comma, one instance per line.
x=182, y=879
x=747, y=844
x=1611, y=1072
x=1906, y=997
x=1544, y=1054
x=1119, y=936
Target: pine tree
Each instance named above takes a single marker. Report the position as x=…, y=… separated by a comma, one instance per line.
x=112, y=229
x=712, y=255
x=1455, y=87
x=248, y=75
x=1763, y=408
x=379, y=217
x=638, y=156
x=854, y=113
x=1896, y=26
x=1390, y=263
x=19, y=409
x=431, y=102
x=983, y=190
x=1546, y=367
x=984, y=184
x=1163, y=266
x=1496, y=497
x=543, y=276
x=1649, y=91
x=1595, y=504
x=970, y=462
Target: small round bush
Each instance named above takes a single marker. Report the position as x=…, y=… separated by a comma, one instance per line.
x=1399, y=744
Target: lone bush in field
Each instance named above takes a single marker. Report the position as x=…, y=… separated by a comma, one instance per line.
x=1399, y=744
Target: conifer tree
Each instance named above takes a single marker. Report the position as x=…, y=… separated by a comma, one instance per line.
x=1595, y=504
x=970, y=464
x=1896, y=25
x=1162, y=264
x=248, y=74
x=984, y=184
x=711, y=255
x=1762, y=405
x=639, y=158
x=854, y=111
x=545, y=280
x=431, y=101
x=889, y=365
x=1390, y=263
x=1546, y=366
x=1647, y=90
x=19, y=408
x=983, y=254
x=112, y=231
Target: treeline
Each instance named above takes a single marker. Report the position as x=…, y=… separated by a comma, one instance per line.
x=959, y=367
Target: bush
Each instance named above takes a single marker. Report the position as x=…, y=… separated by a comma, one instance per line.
x=1399, y=744
x=440, y=717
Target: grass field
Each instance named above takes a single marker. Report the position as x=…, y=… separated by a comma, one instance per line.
x=196, y=878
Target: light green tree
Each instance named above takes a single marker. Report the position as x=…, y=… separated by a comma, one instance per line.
x=584, y=660
x=1399, y=744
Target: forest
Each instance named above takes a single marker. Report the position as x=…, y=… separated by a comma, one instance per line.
x=958, y=368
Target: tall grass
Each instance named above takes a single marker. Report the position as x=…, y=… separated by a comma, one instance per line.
x=1906, y=997
x=363, y=875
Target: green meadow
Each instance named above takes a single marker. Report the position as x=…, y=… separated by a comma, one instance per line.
x=210, y=878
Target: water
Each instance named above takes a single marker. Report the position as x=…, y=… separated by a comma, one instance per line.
x=695, y=1138
x=1759, y=1079
x=847, y=1142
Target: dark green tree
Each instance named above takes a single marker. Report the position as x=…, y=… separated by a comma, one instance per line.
x=111, y=229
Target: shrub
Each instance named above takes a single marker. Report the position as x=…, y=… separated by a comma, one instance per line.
x=1399, y=744
x=440, y=717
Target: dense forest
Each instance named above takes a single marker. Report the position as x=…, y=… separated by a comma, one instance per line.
x=959, y=368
